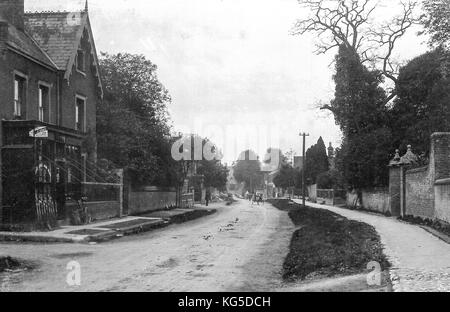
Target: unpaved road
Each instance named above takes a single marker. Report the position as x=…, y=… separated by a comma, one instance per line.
x=240, y=248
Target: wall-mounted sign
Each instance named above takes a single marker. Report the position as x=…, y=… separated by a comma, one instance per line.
x=39, y=132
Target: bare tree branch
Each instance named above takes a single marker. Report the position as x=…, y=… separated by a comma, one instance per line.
x=347, y=23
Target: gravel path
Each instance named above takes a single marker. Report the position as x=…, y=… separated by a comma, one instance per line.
x=240, y=248
x=421, y=261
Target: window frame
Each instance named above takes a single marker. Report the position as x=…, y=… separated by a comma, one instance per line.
x=23, y=103
x=48, y=86
x=84, y=99
x=77, y=63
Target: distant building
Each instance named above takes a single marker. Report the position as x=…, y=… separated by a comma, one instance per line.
x=331, y=157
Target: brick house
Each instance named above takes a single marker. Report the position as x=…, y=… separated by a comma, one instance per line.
x=49, y=90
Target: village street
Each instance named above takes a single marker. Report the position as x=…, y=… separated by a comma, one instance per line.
x=240, y=248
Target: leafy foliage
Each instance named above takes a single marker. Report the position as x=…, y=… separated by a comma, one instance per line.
x=331, y=179
x=286, y=177
x=214, y=173
x=132, y=121
x=360, y=111
x=316, y=161
x=248, y=169
x=358, y=103
x=437, y=21
x=363, y=159
x=423, y=103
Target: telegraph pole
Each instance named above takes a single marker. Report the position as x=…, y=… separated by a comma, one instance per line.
x=304, y=135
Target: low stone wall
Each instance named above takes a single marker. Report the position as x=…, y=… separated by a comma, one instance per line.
x=312, y=192
x=149, y=199
x=442, y=199
x=377, y=200
x=352, y=200
x=419, y=193
x=101, y=210
x=331, y=197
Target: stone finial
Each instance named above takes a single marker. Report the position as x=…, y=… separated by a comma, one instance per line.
x=409, y=158
x=396, y=160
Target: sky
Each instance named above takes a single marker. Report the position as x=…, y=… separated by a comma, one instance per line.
x=235, y=73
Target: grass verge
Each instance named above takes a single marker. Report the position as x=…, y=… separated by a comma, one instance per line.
x=328, y=244
x=438, y=225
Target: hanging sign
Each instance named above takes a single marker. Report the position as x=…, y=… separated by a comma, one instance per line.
x=39, y=132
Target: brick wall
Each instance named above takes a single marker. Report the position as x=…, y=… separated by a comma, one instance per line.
x=35, y=73
x=419, y=198
x=85, y=85
x=377, y=200
x=423, y=198
x=101, y=210
x=352, y=199
x=442, y=200
x=394, y=191
x=441, y=148
x=312, y=192
x=150, y=199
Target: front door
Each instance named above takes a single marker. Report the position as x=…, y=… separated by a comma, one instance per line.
x=60, y=190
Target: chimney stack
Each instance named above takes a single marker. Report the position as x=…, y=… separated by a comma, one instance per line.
x=12, y=11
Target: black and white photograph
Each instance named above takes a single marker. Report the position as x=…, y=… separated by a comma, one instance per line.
x=238, y=147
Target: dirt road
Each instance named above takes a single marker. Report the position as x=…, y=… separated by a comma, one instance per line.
x=240, y=248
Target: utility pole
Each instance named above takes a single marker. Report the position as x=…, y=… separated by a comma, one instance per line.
x=304, y=135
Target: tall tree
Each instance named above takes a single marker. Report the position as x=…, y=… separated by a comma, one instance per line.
x=348, y=24
x=423, y=103
x=132, y=122
x=316, y=161
x=248, y=170
x=359, y=101
x=286, y=177
x=215, y=174
x=437, y=21
x=360, y=111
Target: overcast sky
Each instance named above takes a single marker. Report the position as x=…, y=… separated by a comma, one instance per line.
x=229, y=63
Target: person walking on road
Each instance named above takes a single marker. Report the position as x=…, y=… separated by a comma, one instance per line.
x=207, y=197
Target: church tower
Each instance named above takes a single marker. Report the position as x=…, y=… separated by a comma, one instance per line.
x=331, y=157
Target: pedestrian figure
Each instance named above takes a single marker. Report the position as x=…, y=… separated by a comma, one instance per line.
x=207, y=197
x=247, y=196
x=260, y=199
x=256, y=198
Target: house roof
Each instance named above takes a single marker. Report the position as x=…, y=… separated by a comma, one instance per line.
x=59, y=34
x=56, y=33
x=22, y=43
